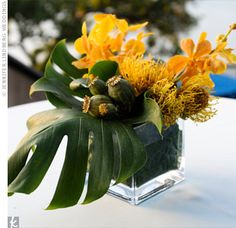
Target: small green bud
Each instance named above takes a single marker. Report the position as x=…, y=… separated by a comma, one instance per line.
x=108, y=111
x=91, y=104
x=97, y=86
x=122, y=92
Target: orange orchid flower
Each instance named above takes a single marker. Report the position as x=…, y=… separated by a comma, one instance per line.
x=195, y=55
x=201, y=58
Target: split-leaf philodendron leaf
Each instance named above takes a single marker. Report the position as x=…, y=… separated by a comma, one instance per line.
x=113, y=148
x=150, y=112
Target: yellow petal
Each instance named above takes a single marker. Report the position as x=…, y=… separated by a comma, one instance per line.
x=202, y=37
x=187, y=45
x=219, y=38
x=122, y=25
x=95, y=53
x=142, y=35
x=136, y=27
x=134, y=47
x=220, y=46
x=228, y=55
x=206, y=79
x=84, y=29
x=116, y=43
x=106, y=26
x=203, y=48
x=79, y=46
x=101, y=16
x=218, y=67
x=93, y=33
x=101, y=31
x=177, y=63
x=233, y=57
x=82, y=63
x=188, y=73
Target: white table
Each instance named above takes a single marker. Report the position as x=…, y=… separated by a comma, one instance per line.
x=207, y=198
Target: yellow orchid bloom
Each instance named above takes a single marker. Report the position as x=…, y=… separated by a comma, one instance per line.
x=222, y=51
x=201, y=58
x=106, y=41
x=195, y=54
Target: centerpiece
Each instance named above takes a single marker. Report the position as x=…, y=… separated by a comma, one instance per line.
x=122, y=112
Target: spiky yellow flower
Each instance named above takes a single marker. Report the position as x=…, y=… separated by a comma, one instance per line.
x=198, y=104
x=165, y=94
x=142, y=73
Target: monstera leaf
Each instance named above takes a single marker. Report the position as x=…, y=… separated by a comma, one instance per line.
x=56, y=83
x=149, y=111
x=102, y=149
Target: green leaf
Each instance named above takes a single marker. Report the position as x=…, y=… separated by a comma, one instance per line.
x=57, y=87
x=59, y=91
x=61, y=88
x=150, y=112
x=104, y=69
x=105, y=150
x=56, y=101
x=61, y=57
x=56, y=84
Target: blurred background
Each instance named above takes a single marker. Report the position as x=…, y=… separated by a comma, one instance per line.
x=35, y=26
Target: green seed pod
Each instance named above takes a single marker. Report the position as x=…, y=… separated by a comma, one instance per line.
x=91, y=104
x=108, y=111
x=97, y=86
x=122, y=92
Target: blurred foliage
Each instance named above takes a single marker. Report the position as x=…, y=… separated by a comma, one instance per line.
x=166, y=18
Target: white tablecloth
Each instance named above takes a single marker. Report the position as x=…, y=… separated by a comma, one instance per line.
x=207, y=198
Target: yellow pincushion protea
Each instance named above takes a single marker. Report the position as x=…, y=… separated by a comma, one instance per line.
x=165, y=93
x=198, y=104
x=141, y=73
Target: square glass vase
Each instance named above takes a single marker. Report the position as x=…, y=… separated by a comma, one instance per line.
x=164, y=166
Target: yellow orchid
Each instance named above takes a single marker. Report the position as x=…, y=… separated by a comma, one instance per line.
x=196, y=56
x=221, y=50
x=220, y=56
x=106, y=41
x=136, y=46
x=202, y=58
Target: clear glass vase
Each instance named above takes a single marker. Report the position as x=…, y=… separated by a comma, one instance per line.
x=164, y=167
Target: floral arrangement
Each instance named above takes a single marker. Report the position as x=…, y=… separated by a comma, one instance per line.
x=114, y=86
